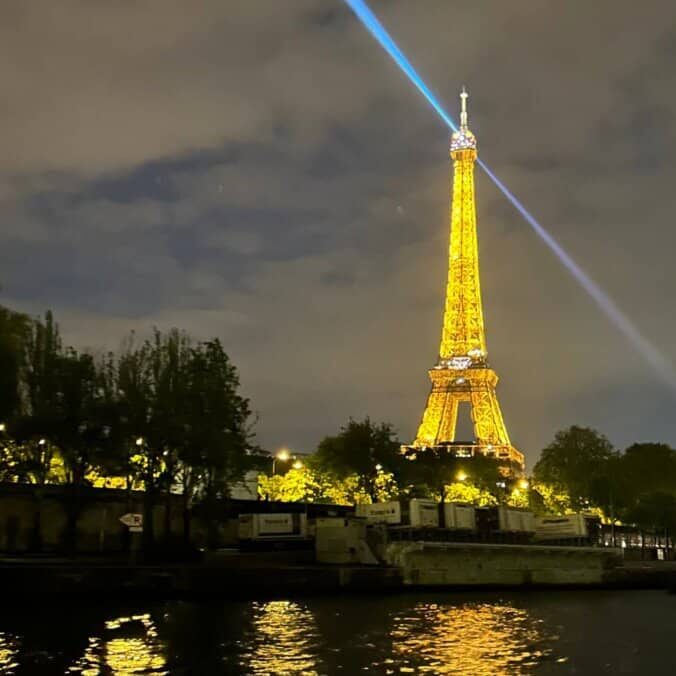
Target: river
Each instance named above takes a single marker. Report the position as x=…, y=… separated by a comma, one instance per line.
x=553, y=632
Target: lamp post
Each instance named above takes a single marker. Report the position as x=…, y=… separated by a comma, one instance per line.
x=282, y=455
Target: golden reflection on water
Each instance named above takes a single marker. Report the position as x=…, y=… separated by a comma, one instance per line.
x=130, y=645
x=8, y=653
x=472, y=639
x=282, y=640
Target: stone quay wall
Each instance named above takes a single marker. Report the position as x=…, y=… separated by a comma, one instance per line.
x=479, y=564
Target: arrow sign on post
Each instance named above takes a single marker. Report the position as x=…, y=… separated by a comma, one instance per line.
x=133, y=521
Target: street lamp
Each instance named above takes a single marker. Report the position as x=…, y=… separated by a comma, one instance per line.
x=3, y=427
x=461, y=476
x=379, y=468
x=42, y=442
x=139, y=441
x=282, y=455
x=297, y=464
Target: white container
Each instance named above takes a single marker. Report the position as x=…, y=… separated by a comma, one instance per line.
x=514, y=520
x=339, y=540
x=459, y=517
x=423, y=513
x=380, y=512
x=262, y=526
x=560, y=527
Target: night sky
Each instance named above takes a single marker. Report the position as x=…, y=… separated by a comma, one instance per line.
x=262, y=172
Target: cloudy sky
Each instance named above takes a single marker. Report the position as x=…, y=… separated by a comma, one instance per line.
x=261, y=171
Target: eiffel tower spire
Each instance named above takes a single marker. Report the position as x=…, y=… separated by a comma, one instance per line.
x=462, y=372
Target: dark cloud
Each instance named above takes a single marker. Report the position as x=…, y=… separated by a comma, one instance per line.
x=261, y=171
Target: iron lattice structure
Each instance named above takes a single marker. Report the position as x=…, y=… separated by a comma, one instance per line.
x=462, y=373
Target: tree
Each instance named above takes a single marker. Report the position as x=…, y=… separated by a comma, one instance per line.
x=14, y=329
x=574, y=461
x=361, y=448
x=655, y=510
x=217, y=449
x=438, y=473
x=647, y=468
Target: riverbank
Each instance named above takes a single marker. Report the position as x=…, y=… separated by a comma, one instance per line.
x=234, y=575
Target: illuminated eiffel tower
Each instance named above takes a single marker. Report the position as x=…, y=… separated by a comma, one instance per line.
x=462, y=373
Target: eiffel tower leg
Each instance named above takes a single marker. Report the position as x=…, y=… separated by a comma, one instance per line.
x=489, y=427
x=449, y=418
x=439, y=418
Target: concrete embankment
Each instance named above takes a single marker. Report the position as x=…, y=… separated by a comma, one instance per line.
x=458, y=565
x=262, y=575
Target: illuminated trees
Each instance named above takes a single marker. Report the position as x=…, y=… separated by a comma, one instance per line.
x=361, y=448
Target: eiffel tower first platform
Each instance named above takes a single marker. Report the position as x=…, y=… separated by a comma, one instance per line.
x=462, y=373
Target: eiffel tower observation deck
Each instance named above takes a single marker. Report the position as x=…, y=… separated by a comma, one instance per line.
x=462, y=373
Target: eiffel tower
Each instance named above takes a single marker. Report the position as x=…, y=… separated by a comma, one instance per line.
x=462, y=373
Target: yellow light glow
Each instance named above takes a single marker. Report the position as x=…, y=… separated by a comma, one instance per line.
x=462, y=373
x=297, y=464
x=284, y=640
x=379, y=468
x=461, y=476
x=523, y=484
x=471, y=639
x=283, y=454
x=139, y=441
x=3, y=427
x=42, y=442
x=131, y=646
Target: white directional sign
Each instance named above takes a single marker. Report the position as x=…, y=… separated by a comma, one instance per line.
x=133, y=521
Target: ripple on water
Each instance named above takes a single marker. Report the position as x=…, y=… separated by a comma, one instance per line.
x=472, y=638
x=9, y=648
x=282, y=640
x=128, y=645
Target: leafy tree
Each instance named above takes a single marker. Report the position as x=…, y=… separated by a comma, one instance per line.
x=217, y=447
x=646, y=467
x=361, y=448
x=655, y=510
x=437, y=472
x=14, y=328
x=296, y=485
x=574, y=461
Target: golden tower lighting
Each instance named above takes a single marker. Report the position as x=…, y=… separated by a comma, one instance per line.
x=462, y=373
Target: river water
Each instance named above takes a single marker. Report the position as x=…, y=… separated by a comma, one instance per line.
x=592, y=632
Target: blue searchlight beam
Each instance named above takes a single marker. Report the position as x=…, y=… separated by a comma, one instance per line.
x=662, y=366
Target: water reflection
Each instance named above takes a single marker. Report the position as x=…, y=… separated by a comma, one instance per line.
x=283, y=640
x=129, y=645
x=473, y=639
x=8, y=653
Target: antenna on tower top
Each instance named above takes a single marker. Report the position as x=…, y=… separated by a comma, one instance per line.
x=463, y=108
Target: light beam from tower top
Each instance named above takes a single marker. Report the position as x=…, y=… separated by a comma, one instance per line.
x=662, y=367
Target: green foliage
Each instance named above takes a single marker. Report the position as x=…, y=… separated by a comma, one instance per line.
x=654, y=510
x=216, y=417
x=546, y=499
x=468, y=492
x=305, y=484
x=574, y=462
x=14, y=328
x=433, y=471
x=161, y=409
x=362, y=449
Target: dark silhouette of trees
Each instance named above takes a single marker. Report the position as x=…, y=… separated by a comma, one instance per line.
x=164, y=413
x=574, y=462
